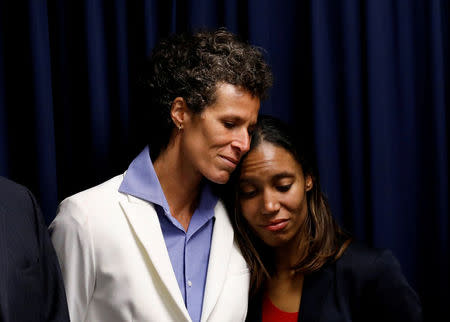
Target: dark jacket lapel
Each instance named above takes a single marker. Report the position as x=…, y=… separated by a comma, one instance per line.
x=315, y=291
x=316, y=288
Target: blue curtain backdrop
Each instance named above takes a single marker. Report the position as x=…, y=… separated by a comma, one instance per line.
x=366, y=81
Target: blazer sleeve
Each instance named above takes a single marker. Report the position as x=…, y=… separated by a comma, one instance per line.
x=73, y=244
x=55, y=304
x=390, y=296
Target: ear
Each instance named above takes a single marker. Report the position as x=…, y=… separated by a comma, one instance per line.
x=178, y=112
x=308, y=183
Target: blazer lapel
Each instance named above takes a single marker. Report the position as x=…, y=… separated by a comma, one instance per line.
x=219, y=257
x=144, y=221
x=315, y=291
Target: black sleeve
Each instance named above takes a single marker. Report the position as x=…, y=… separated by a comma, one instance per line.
x=389, y=295
x=55, y=303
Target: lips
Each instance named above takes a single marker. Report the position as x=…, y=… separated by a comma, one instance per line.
x=231, y=161
x=276, y=225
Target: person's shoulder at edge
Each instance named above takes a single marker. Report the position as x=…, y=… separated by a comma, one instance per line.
x=34, y=262
x=375, y=275
x=92, y=197
x=12, y=193
x=20, y=205
x=363, y=259
x=105, y=188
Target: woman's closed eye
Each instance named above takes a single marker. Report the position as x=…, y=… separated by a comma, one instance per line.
x=247, y=192
x=229, y=125
x=284, y=188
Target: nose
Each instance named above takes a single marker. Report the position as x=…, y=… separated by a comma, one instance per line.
x=271, y=204
x=242, y=141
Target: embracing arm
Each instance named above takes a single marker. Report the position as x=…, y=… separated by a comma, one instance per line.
x=73, y=244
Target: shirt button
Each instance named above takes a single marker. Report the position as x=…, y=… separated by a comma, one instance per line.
x=189, y=283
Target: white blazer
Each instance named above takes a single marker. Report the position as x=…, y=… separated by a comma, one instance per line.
x=116, y=266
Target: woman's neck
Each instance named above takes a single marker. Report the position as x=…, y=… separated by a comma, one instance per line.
x=288, y=255
x=284, y=263
x=285, y=288
x=180, y=184
x=285, y=285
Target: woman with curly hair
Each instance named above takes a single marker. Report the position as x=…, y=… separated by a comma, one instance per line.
x=304, y=267
x=155, y=243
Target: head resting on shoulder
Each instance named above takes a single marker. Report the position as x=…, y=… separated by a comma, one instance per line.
x=319, y=239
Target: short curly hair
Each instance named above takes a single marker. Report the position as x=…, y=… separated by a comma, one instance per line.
x=192, y=65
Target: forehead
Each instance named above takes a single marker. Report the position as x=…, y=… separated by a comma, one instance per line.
x=267, y=161
x=234, y=102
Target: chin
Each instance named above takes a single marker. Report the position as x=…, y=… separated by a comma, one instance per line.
x=274, y=242
x=220, y=177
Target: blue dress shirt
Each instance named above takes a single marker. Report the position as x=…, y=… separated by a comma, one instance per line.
x=188, y=250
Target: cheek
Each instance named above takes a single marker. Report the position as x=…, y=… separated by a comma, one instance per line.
x=295, y=200
x=249, y=211
x=210, y=141
x=196, y=143
x=211, y=130
x=217, y=136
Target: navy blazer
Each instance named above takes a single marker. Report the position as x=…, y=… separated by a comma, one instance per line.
x=31, y=287
x=363, y=285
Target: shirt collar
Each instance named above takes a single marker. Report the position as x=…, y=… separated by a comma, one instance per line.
x=208, y=201
x=142, y=182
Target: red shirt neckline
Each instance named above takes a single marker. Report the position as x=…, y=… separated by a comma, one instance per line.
x=271, y=313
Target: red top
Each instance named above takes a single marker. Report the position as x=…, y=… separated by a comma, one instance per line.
x=270, y=313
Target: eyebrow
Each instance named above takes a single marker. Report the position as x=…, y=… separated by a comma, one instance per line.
x=278, y=176
x=283, y=174
x=231, y=116
x=236, y=118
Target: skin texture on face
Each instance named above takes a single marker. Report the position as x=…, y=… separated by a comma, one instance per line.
x=214, y=141
x=272, y=194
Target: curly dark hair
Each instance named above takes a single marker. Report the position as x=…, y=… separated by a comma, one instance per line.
x=192, y=65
